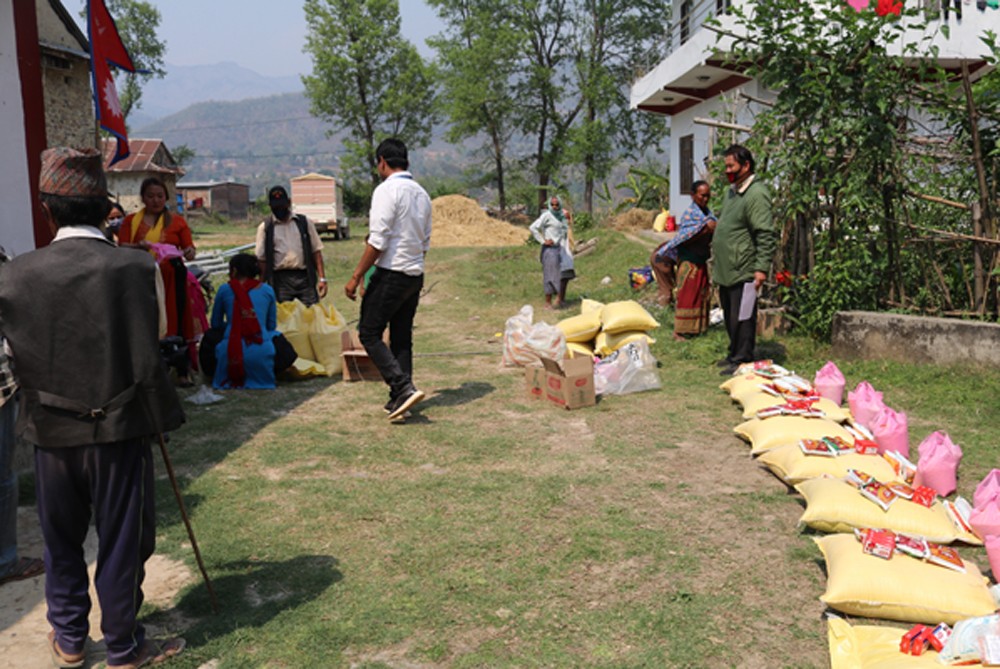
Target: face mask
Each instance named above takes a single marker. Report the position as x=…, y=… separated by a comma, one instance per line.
x=115, y=222
x=281, y=213
x=731, y=176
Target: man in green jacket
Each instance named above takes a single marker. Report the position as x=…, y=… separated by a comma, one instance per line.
x=742, y=250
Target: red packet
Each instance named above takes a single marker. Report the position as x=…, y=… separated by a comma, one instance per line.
x=915, y=546
x=817, y=447
x=913, y=640
x=901, y=490
x=865, y=447
x=858, y=478
x=878, y=493
x=945, y=556
x=939, y=636
x=838, y=443
x=905, y=470
x=879, y=543
x=924, y=496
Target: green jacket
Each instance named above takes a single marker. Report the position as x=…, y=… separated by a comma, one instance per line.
x=745, y=240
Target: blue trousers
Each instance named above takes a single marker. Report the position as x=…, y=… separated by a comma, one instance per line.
x=114, y=482
x=8, y=488
x=391, y=299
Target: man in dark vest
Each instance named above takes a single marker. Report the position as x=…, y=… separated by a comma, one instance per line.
x=82, y=318
x=290, y=252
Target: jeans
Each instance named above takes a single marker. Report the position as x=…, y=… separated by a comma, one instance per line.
x=8, y=487
x=391, y=299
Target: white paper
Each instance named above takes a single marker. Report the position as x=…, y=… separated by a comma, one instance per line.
x=747, y=301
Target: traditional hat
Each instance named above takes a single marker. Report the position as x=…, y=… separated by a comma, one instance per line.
x=72, y=172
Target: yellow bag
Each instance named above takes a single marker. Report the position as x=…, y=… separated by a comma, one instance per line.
x=833, y=505
x=873, y=647
x=586, y=306
x=324, y=336
x=303, y=369
x=742, y=384
x=755, y=401
x=293, y=322
x=581, y=328
x=625, y=316
x=793, y=466
x=903, y=588
x=606, y=344
x=580, y=348
x=769, y=433
x=660, y=222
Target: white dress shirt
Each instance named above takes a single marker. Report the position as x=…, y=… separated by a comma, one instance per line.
x=400, y=224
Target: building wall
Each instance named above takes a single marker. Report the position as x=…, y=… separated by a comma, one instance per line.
x=69, y=106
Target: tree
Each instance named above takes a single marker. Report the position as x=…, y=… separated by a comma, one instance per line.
x=479, y=55
x=366, y=78
x=183, y=154
x=137, y=23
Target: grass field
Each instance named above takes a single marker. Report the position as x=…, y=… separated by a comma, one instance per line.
x=493, y=531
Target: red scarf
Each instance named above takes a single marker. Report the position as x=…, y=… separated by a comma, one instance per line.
x=244, y=328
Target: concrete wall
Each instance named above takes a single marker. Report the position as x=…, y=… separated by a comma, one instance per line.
x=943, y=341
x=69, y=107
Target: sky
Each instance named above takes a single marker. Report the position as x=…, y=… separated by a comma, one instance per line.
x=265, y=36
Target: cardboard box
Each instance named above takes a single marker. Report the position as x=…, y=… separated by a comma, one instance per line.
x=534, y=381
x=570, y=383
x=357, y=365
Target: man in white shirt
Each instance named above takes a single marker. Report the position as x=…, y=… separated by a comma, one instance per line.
x=398, y=239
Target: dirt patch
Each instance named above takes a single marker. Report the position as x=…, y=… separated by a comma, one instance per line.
x=460, y=221
x=634, y=219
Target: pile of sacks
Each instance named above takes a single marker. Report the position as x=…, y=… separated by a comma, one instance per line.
x=602, y=329
x=889, y=524
x=314, y=333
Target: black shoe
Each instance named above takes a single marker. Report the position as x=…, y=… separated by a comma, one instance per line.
x=729, y=371
x=725, y=362
x=406, y=400
x=388, y=409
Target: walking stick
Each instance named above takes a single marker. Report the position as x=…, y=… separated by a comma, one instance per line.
x=187, y=522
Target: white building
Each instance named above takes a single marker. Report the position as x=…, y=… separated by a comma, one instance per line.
x=694, y=81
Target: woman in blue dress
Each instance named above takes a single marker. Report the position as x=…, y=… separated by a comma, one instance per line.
x=248, y=311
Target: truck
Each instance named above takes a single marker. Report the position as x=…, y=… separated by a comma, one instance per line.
x=320, y=198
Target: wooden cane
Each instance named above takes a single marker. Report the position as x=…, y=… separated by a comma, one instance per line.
x=187, y=522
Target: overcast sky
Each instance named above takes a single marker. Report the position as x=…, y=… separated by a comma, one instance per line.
x=263, y=35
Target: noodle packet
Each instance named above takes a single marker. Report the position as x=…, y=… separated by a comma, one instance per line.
x=818, y=447
x=959, y=512
x=914, y=546
x=945, y=556
x=879, y=543
x=864, y=446
x=901, y=490
x=878, y=493
x=858, y=478
x=904, y=469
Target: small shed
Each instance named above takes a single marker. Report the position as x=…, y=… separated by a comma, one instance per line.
x=148, y=158
x=227, y=198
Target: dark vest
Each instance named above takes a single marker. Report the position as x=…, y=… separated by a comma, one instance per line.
x=307, y=253
x=82, y=320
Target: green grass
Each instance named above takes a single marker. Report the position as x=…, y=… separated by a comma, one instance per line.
x=495, y=531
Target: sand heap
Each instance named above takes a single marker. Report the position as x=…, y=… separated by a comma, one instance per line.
x=460, y=221
x=634, y=219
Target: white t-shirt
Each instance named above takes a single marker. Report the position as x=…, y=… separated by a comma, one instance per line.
x=399, y=224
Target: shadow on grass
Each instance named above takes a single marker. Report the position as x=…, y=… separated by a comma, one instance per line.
x=251, y=593
x=771, y=350
x=465, y=393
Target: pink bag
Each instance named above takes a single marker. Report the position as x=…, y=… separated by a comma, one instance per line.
x=865, y=402
x=830, y=383
x=938, y=464
x=987, y=490
x=891, y=431
x=986, y=521
x=993, y=553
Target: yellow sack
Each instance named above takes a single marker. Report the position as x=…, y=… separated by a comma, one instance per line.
x=660, y=222
x=324, y=336
x=580, y=348
x=586, y=306
x=742, y=384
x=606, y=344
x=873, y=647
x=833, y=505
x=303, y=369
x=581, y=328
x=769, y=433
x=793, y=466
x=903, y=588
x=755, y=401
x=627, y=315
x=293, y=322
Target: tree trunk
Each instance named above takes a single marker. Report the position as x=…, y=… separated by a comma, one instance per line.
x=980, y=209
x=498, y=161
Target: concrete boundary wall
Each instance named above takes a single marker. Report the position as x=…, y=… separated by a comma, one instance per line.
x=943, y=341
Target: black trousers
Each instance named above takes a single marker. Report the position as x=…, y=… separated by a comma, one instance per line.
x=290, y=284
x=391, y=299
x=114, y=482
x=742, y=334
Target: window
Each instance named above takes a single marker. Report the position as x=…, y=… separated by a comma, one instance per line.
x=685, y=20
x=687, y=163
x=721, y=7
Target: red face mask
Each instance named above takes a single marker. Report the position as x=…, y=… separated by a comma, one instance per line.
x=731, y=176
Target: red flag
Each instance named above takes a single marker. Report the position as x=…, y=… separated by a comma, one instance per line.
x=106, y=49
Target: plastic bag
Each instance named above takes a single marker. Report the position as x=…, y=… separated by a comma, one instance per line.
x=865, y=403
x=986, y=522
x=293, y=322
x=829, y=383
x=938, y=464
x=324, y=337
x=892, y=431
x=204, y=395
x=963, y=644
x=988, y=490
x=630, y=369
x=993, y=553
x=525, y=343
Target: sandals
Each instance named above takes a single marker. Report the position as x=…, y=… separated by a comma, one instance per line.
x=154, y=652
x=25, y=568
x=62, y=659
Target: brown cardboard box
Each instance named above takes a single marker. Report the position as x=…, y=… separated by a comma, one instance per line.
x=357, y=365
x=534, y=381
x=570, y=383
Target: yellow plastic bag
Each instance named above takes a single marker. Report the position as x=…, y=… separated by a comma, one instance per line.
x=582, y=328
x=303, y=369
x=580, y=348
x=660, y=222
x=587, y=306
x=873, y=647
x=606, y=344
x=755, y=401
x=769, y=433
x=793, y=466
x=324, y=336
x=293, y=322
x=627, y=315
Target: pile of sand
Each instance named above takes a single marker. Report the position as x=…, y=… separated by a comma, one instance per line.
x=460, y=221
x=634, y=219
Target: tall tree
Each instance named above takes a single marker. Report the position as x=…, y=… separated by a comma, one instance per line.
x=137, y=22
x=366, y=78
x=479, y=54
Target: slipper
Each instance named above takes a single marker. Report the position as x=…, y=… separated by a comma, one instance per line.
x=25, y=568
x=154, y=652
x=62, y=659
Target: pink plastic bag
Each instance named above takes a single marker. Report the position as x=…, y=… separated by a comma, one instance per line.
x=986, y=521
x=891, y=431
x=993, y=553
x=938, y=464
x=830, y=383
x=987, y=490
x=865, y=403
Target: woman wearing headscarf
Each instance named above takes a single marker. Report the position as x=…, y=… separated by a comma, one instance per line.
x=689, y=251
x=551, y=230
x=247, y=311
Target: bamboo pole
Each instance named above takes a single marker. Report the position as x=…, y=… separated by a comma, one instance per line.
x=722, y=124
x=938, y=200
x=955, y=235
